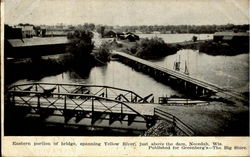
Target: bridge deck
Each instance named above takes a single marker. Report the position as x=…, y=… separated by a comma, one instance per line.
x=101, y=106
x=201, y=83
x=102, y=109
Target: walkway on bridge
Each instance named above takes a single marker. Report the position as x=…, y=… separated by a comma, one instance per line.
x=186, y=80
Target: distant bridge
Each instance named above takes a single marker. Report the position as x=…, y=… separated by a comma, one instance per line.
x=91, y=105
x=190, y=85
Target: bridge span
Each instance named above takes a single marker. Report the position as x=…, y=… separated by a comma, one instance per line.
x=190, y=85
x=89, y=105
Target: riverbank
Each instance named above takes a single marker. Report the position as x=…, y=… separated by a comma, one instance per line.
x=214, y=119
x=194, y=45
x=153, y=48
x=227, y=49
x=38, y=68
x=203, y=46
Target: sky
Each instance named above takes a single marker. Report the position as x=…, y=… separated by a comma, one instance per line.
x=127, y=12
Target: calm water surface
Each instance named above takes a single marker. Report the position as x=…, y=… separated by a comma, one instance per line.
x=115, y=74
x=226, y=71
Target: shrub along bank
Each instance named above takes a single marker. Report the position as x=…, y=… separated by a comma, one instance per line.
x=223, y=48
x=152, y=48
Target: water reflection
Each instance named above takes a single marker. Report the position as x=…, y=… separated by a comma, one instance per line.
x=226, y=71
x=114, y=74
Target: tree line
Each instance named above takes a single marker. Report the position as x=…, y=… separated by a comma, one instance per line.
x=151, y=28
x=176, y=28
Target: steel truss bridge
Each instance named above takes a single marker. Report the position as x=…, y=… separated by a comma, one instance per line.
x=90, y=105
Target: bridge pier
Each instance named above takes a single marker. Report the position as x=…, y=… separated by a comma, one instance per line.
x=150, y=121
x=80, y=115
x=46, y=112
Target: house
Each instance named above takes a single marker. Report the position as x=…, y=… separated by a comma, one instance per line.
x=28, y=30
x=231, y=37
x=40, y=32
x=110, y=34
x=121, y=35
x=132, y=37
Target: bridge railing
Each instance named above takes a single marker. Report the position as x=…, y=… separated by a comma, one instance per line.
x=98, y=90
x=69, y=101
x=175, y=121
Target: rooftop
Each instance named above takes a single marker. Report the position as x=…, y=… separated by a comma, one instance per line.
x=36, y=41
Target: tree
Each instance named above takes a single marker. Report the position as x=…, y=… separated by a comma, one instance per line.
x=103, y=53
x=91, y=26
x=81, y=45
x=153, y=48
x=194, y=38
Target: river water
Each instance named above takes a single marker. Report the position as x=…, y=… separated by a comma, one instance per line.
x=229, y=72
x=226, y=71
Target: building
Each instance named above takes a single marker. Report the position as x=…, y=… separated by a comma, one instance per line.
x=121, y=35
x=32, y=47
x=28, y=30
x=110, y=34
x=12, y=33
x=132, y=37
x=231, y=37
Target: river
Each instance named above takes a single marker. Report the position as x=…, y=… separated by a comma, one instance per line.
x=114, y=74
x=226, y=71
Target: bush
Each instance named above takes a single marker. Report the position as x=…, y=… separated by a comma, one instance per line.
x=103, y=53
x=152, y=48
x=80, y=47
x=81, y=43
x=194, y=38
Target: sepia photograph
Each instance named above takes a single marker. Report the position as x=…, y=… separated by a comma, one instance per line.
x=136, y=68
